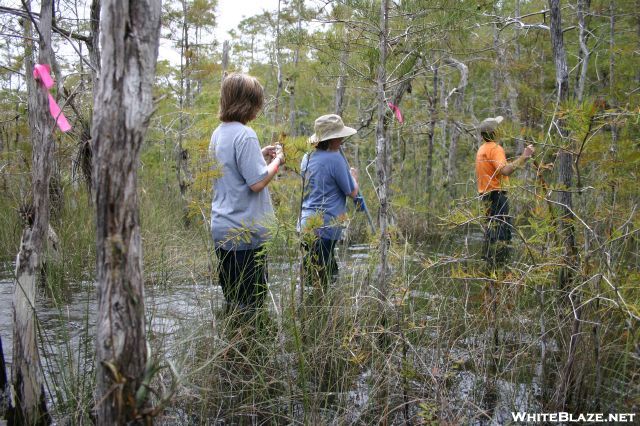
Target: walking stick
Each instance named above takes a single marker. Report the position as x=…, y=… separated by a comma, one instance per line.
x=359, y=200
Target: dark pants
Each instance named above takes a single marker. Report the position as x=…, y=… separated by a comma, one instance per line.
x=243, y=277
x=498, y=234
x=320, y=262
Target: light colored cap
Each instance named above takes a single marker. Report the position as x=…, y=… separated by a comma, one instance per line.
x=490, y=124
x=330, y=126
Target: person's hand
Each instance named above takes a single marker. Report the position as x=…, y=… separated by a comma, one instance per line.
x=279, y=153
x=269, y=152
x=528, y=151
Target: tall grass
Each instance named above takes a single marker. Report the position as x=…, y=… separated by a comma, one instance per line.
x=463, y=343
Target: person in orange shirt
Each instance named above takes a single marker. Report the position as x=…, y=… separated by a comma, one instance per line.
x=492, y=173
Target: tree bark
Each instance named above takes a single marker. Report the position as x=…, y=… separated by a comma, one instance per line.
x=582, y=9
x=433, y=104
x=293, y=80
x=123, y=107
x=341, y=86
x=613, y=103
x=94, y=46
x=183, y=174
x=30, y=406
x=565, y=176
x=276, y=107
x=226, y=47
x=565, y=156
x=512, y=113
x=455, y=131
x=383, y=156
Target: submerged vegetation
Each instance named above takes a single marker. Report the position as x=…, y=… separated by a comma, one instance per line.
x=447, y=339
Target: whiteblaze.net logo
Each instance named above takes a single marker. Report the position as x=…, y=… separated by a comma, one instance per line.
x=570, y=417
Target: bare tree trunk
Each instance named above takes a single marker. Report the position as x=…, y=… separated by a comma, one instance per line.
x=183, y=175
x=293, y=80
x=638, y=37
x=225, y=57
x=565, y=176
x=383, y=172
x=444, y=123
x=30, y=406
x=341, y=86
x=94, y=47
x=84, y=157
x=612, y=67
x=496, y=71
x=455, y=131
x=186, y=55
x=383, y=156
x=517, y=30
x=123, y=108
x=512, y=112
x=433, y=103
x=583, y=8
x=276, y=107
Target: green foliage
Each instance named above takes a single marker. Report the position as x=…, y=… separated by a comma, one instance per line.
x=441, y=293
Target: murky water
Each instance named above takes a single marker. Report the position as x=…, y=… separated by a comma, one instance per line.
x=68, y=326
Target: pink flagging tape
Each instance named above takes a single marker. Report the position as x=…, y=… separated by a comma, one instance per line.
x=42, y=72
x=397, y=112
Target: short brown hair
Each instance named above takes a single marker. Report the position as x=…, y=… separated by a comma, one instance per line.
x=241, y=97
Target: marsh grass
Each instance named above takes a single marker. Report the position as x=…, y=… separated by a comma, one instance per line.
x=465, y=344
x=461, y=344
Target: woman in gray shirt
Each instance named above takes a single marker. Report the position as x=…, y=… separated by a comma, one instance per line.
x=241, y=209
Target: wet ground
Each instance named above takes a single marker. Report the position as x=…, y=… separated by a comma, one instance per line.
x=67, y=325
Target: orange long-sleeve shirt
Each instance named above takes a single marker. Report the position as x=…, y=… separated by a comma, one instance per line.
x=489, y=159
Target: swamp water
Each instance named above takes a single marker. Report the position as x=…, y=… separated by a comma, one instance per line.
x=67, y=329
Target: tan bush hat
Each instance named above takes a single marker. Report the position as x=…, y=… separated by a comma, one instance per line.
x=330, y=126
x=490, y=124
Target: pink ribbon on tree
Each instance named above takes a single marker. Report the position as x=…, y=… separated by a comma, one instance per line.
x=397, y=112
x=42, y=72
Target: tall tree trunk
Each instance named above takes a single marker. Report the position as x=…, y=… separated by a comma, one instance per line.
x=383, y=173
x=383, y=155
x=30, y=406
x=455, y=130
x=613, y=103
x=183, y=174
x=226, y=47
x=583, y=8
x=565, y=176
x=384, y=158
x=276, y=107
x=517, y=30
x=341, y=86
x=433, y=104
x=496, y=72
x=512, y=113
x=293, y=80
x=123, y=107
x=186, y=55
x=84, y=158
x=638, y=38
x=94, y=47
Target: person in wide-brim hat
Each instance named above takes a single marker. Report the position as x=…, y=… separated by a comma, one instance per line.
x=492, y=173
x=328, y=127
x=328, y=181
x=490, y=125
